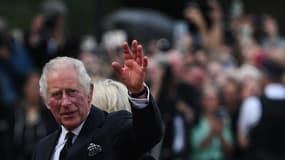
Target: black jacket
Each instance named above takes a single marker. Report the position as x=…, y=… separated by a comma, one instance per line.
x=119, y=135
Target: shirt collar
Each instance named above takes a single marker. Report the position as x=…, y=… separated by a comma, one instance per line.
x=275, y=91
x=75, y=131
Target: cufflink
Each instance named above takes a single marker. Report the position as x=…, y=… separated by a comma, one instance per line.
x=93, y=149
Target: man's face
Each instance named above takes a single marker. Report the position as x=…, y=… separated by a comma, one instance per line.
x=66, y=98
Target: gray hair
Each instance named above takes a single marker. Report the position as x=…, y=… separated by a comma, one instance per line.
x=110, y=95
x=59, y=63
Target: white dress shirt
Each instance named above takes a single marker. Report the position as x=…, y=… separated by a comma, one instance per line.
x=251, y=112
x=142, y=102
x=179, y=135
x=62, y=140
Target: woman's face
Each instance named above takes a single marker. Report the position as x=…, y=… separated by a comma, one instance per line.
x=210, y=100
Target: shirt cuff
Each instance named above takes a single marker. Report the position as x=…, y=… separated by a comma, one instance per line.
x=140, y=103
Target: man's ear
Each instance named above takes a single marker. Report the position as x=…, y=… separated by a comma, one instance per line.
x=46, y=104
x=45, y=101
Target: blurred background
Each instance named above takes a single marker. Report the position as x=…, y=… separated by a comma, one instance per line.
x=216, y=70
x=92, y=11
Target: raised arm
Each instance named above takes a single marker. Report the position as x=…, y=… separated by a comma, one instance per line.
x=132, y=73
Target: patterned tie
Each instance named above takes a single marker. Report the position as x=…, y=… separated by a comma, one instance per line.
x=66, y=146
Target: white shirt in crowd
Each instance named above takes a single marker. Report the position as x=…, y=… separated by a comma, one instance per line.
x=251, y=112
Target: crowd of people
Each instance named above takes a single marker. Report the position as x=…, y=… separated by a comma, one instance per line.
x=219, y=82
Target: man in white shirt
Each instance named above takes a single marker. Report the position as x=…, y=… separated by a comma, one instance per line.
x=261, y=118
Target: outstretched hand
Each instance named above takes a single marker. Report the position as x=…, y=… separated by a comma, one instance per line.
x=132, y=73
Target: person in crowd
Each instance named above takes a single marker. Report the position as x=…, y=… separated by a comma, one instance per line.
x=187, y=108
x=231, y=100
x=110, y=96
x=205, y=24
x=96, y=67
x=32, y=120
x=14, y=66
x=48, y=37
x=260, y=124
x=272, y=38
x=91, y=133
x=211, y=138
x=167, y=97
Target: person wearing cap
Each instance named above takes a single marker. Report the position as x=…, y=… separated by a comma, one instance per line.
x=261, y=129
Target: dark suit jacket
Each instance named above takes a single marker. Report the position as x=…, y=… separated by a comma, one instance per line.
x=121, y=135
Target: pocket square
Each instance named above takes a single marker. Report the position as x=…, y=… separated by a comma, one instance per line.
x=93, y=149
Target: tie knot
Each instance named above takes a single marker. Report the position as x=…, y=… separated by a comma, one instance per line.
x=68, y=138
x=69, y=135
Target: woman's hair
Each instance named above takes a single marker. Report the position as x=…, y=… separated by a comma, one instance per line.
x=62, y=63
x=110, y=95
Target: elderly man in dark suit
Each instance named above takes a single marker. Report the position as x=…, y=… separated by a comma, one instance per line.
x=87, y=132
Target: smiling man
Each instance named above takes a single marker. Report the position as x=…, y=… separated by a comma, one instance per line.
x=86, y=132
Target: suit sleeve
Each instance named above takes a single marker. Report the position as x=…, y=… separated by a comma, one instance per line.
x=147, y=126
x=135, y=134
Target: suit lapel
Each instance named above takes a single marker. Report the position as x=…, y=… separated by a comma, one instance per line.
x=90, y=129
x=50, y=145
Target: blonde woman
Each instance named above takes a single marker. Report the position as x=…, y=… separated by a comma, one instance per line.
x=110, y=95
